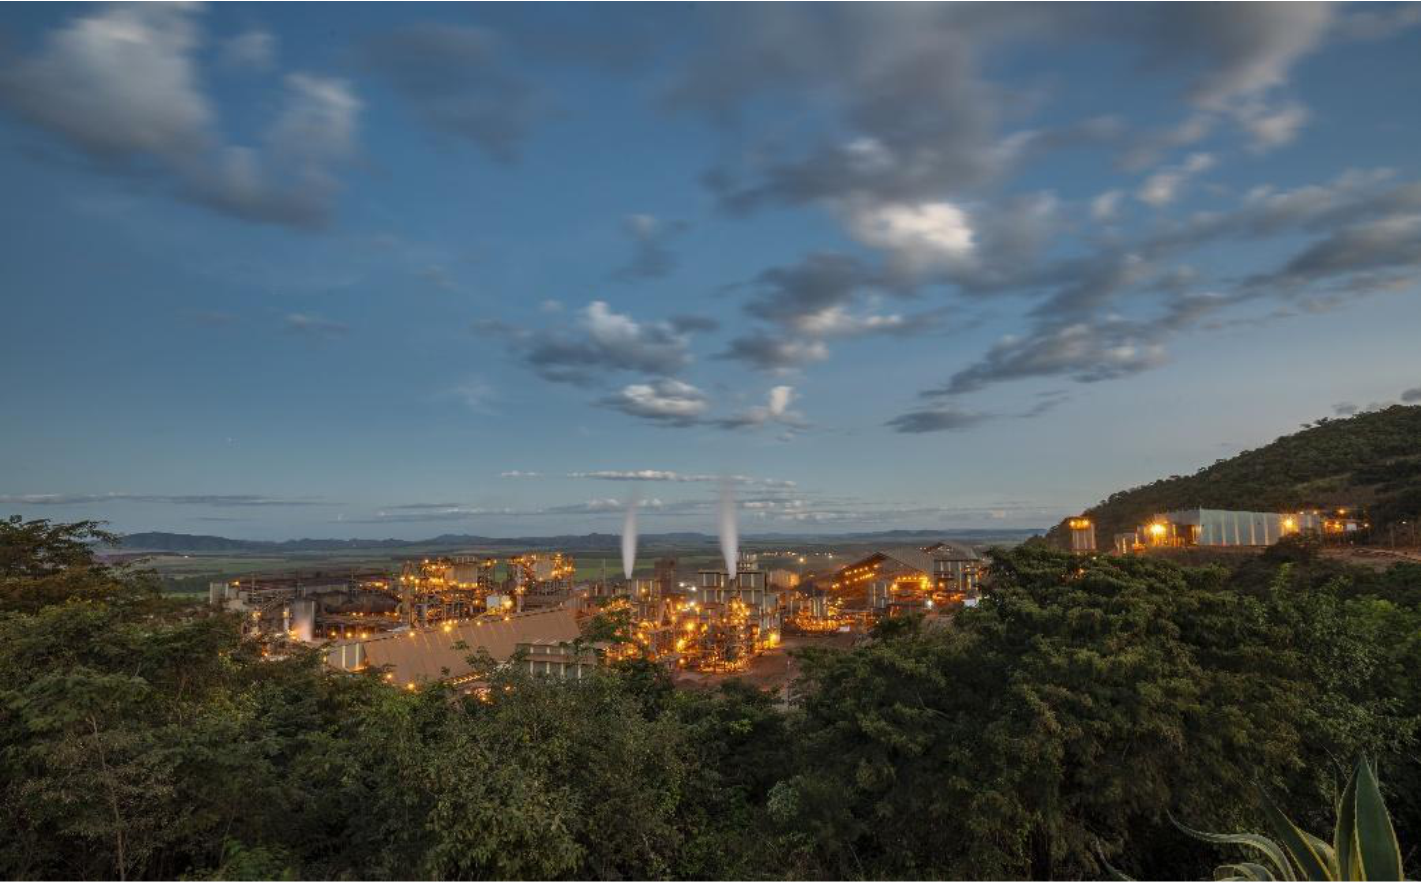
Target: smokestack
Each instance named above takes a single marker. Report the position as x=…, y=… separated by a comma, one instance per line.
x=729, y=535
x=629, y=539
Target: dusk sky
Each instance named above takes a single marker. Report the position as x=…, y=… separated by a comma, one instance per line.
x=274, y=271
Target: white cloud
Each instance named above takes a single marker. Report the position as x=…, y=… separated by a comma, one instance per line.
x=839, y=322
x=121, y=81
x=1271, y=127
x=314, y=325
x=917, y=236
x=123, y=85
x=475, y=394
x=1104, y=206
x=1162, y=187
x=318, y=121
x=1147, y=149
x=667, y=401
x=1251, y=47
x=254, y=50
x=677, y=477
x=772, y=352
x=776, y=409
x=602, y=340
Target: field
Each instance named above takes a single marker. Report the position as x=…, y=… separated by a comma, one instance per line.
x=190, y=572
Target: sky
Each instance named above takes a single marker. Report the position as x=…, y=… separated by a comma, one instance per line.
x=324, y=270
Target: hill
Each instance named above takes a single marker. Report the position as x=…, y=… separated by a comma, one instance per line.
x=604, y=542
x=1371, y=460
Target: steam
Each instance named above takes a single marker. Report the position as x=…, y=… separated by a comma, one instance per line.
x=629, y=539
x=729, y=535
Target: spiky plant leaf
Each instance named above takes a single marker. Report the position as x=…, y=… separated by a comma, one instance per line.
x=1344, y=840
x=1327, y=853
x=1376, y=840
x=1110, y=870
x=1244, y=871
x=1282, y=869
x=1309, y=863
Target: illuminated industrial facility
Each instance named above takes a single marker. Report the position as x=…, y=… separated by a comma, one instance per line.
x=1218, y=528
x=1082, y=534
x=898, y=580
x=310, y=607
x=432, y=620
x=544, y=642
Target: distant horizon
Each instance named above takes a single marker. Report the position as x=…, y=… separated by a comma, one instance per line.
x=644, y=536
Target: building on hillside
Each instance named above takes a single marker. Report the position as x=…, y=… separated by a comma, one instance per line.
x=1219, y=528
x=1340, y=523
x=1082, y=532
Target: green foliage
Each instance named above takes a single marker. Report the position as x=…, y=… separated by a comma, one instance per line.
x=611, y=625
x=1058, y=724
x=1077, y=706
x=34, y=549
x=42, y=563
x=1363, y=846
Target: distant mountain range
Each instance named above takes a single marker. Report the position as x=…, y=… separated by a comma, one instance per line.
x=1371, y=460
x=184, y=542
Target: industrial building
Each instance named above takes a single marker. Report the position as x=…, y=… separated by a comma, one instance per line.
x=1082, y=532
x=427, y=593
x=543, y=640
x=732, y=617
x=957, y=570
x=308, y=607
x=782, y=578
x=903, y=579
x=1220, y=528
x=445, y=619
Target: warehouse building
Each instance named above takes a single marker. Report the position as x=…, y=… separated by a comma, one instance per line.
x=1218, y=528
x=415, y=657
x=895, y=579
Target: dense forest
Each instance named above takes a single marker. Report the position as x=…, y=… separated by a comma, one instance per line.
x=1053, y=728
x=1372, y=459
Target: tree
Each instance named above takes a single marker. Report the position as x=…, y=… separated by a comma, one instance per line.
x=1363, y=845
x=1078, y=704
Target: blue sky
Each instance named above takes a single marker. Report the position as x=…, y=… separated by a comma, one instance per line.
x=399, y=270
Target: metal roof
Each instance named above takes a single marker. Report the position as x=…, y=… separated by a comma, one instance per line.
x=946, y=550
x=915, y=558
x=428, y=654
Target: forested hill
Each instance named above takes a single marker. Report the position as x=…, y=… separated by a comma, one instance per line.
x=1372, y=459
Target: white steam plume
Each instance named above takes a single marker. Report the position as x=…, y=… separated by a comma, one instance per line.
x=629, y=539
x=729, y=534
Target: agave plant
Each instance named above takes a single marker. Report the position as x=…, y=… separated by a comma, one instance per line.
x=1363, y=846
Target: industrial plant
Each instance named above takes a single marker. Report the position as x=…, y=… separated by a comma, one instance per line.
x=452, y=619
